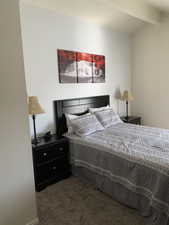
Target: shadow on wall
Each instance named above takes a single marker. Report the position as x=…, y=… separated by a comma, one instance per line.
x=50, y=127
x=117, y=96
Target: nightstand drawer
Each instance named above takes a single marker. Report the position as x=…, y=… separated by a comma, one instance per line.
x=52, y=170
x=51, y=161
x=50, y=153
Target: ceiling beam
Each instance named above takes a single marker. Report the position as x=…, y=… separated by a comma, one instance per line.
x=136, y=8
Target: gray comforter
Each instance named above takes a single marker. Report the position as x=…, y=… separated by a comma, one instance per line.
x=131, y=163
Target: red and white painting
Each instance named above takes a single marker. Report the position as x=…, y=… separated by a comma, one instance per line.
x=67, y=66
x=84, y=67
x=79, y=67
x=98, y=69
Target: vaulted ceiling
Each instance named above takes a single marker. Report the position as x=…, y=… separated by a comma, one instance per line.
x=121, y=15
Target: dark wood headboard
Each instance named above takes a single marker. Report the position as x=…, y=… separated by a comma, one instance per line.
x=76, y=106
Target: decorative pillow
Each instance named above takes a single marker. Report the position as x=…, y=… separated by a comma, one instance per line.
x=85, y=125
x=108, y=117
x=70, y=117
x=92, y=110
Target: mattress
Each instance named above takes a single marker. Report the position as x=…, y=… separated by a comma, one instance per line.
x=131, y=163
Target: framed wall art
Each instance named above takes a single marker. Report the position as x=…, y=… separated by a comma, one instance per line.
x=80, y=67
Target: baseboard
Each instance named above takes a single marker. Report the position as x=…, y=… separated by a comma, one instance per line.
x=34, y=222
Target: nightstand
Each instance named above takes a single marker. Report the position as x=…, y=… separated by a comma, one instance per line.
x=51, y=161
x=132, y=119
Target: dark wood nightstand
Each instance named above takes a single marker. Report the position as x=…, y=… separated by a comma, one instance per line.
x=132, y=119
x=51, y=161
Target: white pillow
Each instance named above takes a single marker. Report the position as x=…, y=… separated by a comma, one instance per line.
x=108, y=117
x=92, y=110
x=85, y=125
x=70, y=117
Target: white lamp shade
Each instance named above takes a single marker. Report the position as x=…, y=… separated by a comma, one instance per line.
x=34, y=106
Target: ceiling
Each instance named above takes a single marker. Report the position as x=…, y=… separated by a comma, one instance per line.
x=125, y=16
x=160, y=4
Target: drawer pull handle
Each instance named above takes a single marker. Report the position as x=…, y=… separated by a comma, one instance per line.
x=54, y=168
x=44, y=154
x=60, y=149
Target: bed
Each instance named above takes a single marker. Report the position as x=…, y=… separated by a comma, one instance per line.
x=128, y=162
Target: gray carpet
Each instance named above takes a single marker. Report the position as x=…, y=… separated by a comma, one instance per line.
x=71, y=202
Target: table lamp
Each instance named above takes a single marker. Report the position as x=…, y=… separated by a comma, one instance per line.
x=127, y=96
x=34, y=109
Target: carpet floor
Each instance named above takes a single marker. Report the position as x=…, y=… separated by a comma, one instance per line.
x=71, y=202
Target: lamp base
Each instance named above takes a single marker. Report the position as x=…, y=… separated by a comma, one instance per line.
x=126, y=117
x=35, y=141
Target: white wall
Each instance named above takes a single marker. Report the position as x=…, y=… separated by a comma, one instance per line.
x=17, y=197
x=45, y=31
x=150, y=78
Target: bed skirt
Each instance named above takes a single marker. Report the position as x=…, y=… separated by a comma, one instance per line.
x=123, y=195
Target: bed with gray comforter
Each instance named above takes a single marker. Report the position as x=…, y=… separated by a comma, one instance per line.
x=129, y=162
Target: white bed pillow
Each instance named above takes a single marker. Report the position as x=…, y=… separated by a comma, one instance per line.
x=70, y=117
x=108, y=117
x=92, y=110
x=85, y=125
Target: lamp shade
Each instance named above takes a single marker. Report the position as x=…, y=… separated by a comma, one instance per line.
x=34, y=106
x=127, y=96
